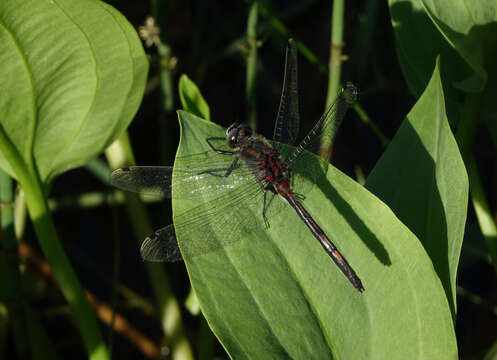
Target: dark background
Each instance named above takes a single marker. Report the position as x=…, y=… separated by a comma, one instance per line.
x=199, y=34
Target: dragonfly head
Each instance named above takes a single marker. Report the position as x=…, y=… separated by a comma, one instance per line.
x=236, y=132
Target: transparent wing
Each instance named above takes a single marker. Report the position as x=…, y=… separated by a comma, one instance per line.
x=193, y=176
x=161, y=246
x=149, y=180
x=286, y=128
x=328, y=123
x=212, y=225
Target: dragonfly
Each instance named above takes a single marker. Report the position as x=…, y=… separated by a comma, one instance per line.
x=235, y=177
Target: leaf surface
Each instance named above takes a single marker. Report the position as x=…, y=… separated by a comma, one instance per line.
x=73, y=75
x=192, y=99
x=422, y=177
x=276, y=294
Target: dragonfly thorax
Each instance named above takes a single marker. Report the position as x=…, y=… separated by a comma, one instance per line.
x=236, y=133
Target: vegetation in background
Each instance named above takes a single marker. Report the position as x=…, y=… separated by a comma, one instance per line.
x=422, y=141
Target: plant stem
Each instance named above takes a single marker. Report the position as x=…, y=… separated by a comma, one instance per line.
x=482, y=210
x=312, y=58
x=44, y=228
x=10, y=279
x=120, y=154
x=465, y=136
x=100, y=169
x=335, y=62
x=63, y=272
x=334, y=69
x=20, y=214
x=251, y=72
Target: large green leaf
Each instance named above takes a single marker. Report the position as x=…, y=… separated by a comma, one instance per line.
x=419, y=42
x=422, y=177
x=73, y=74
x=463, y=33
x=469, y=27
x=276, y=294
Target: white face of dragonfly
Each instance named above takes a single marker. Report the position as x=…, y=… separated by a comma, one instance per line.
x=236, y=132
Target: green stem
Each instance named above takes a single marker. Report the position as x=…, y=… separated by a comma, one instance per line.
x=482, y=209
x=10, y=279
x=20, y=214
x=63, y=272
x=335, y=63
x=313, y=59
x=100, y=169
x=48, y=238
x=120, y=154
x=251, y=72
x=335, y=69
x=465, y=136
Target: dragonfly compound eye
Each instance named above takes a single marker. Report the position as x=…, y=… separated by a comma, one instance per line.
x=231, y=137
x=244, y=130
x=232, y=127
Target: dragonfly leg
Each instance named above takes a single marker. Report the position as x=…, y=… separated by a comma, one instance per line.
x=226, y=174
x=299, y=197
x=222, y=152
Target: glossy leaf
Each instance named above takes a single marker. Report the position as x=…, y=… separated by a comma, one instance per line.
x=422, y=177
x=276, y=294
x=73, y=74
x=462, y=32
x=411, y=24
x=192, y=99
x=469, y=27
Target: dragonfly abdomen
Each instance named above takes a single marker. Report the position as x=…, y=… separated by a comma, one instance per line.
x=325, y=242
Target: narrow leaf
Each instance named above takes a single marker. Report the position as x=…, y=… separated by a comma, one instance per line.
x=422, y=177
x=191, y=98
